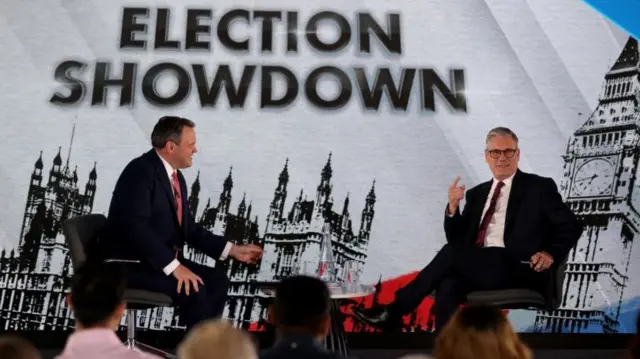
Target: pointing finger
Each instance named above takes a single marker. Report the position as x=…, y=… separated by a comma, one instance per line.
x=455, y=182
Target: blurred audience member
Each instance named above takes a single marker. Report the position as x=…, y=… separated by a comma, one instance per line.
x=97, y=304
x=479, y=332
x=14, y=347
x=301, y=317
x=217, y=339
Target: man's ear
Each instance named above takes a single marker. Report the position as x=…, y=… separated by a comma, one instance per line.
x=121, y=308
x=326, y=325
x=68, y=301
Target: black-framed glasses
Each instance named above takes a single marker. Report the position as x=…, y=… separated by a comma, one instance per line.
x=508, y=153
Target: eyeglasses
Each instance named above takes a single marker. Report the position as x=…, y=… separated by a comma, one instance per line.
x=508, y=153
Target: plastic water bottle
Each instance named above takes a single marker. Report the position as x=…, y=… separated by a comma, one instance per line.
x=326, y=265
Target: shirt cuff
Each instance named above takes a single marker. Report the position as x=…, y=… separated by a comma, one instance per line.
x=171, y=267
x=225, y=252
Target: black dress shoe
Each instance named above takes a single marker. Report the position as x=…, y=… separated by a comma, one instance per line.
x=378, y=317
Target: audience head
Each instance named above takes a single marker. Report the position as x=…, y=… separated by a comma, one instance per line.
x=479, y=332
x=302, y=306
x=13, y=347
x=175, y=139
x=96, y=298
x=502, y=152
x=217, y=339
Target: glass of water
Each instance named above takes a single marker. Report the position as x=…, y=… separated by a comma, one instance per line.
x=351, y=272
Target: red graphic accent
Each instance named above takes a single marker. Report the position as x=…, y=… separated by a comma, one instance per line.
x=422, y=319
x=419, y=320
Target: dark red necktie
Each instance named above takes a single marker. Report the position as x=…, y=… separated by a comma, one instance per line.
x=178, y=195
x=482, y=232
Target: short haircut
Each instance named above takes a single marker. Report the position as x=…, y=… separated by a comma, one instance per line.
x=97, y=288
x=14, y=347
x=169, y=128
x=301, y=302
x=502, y=132
x=217, y=339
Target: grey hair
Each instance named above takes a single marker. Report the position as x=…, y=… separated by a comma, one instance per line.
x=501, y=132
x=169, y=128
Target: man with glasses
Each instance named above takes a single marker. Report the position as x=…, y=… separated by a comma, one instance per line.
x=512, y=229
x=149, y=223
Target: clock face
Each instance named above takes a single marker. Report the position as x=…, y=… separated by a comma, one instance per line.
x=593, y=178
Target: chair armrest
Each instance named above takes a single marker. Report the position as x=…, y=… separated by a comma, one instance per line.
x=115, y=260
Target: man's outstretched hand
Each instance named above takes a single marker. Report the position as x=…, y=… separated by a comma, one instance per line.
x=248, y=253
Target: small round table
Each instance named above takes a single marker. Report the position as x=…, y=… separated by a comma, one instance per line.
x=336, y=340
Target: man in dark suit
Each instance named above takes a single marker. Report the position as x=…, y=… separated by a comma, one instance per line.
x=301, y=316
x=512, y=230
x=149, y=223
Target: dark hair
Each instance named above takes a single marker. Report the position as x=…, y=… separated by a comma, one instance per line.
x=14, y=347
x=169, y=128
x=301, y=303
x=97, y=288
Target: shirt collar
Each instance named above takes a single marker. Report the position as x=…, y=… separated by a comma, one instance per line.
x=92, y=337
x=167, y=166
x=507, y=181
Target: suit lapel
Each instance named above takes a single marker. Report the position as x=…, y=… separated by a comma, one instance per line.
x=515, y=196
x=478, y=206
x=163, y=177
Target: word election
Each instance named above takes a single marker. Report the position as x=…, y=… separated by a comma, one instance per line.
x=135, y=31
x=139, y=32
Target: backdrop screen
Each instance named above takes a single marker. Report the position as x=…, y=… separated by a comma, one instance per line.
x=332, y=112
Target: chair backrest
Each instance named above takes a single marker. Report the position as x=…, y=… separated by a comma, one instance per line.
x=78, y=231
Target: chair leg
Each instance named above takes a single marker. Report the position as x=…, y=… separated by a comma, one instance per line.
x=131, y=329
x=132, y=344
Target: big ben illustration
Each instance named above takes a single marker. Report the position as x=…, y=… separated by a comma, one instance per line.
x=600, y=186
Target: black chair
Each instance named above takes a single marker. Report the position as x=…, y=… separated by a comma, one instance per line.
x=79, y=231
x=522, y=298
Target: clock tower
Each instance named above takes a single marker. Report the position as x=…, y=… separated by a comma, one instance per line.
x=600, y=185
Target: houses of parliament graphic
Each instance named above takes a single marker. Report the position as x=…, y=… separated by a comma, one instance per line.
x=601, y=186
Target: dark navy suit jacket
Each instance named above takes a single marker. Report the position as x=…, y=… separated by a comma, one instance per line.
x=142, y=223
x=537, y=219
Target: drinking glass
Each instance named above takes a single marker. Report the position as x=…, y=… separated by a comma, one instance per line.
x=351, y=272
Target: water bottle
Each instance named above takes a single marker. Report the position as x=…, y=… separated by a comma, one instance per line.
x=326, y=265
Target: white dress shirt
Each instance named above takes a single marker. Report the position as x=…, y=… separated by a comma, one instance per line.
x=495, y=230
x=175, y=263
